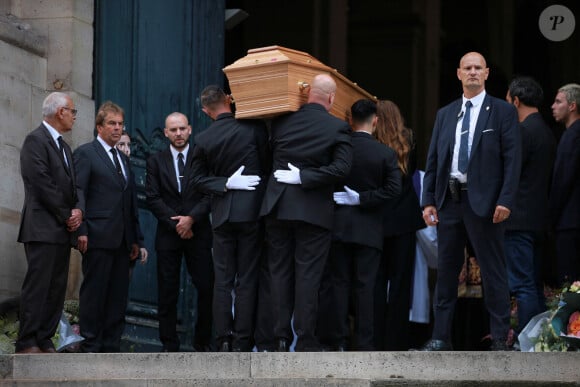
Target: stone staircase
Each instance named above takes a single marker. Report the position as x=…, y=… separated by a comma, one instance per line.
x=310, y=369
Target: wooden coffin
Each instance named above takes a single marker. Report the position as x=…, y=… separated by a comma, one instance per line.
x=274, y=80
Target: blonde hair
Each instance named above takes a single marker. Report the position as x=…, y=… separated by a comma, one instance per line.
x=391, y=131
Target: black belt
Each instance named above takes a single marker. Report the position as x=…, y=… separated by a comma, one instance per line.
x=456, y=183
x=455, y=187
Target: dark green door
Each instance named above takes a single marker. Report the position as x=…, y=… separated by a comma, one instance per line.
x=152, y=58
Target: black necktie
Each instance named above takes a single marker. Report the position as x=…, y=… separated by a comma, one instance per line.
x=61, y=150
x=180, y=168
x=463, y=145
x=117, y=164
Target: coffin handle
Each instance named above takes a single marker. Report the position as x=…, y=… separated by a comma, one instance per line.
x=303, y=85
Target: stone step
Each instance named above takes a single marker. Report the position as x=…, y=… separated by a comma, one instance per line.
x=305, y=368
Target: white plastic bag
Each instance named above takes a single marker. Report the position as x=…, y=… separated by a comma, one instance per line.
x=532, y=330
x=66, y=335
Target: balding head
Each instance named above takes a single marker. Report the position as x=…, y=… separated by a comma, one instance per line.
x=175, y=116
x=322, y=90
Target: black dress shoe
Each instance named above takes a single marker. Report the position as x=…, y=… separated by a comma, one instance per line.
x=436, y=345
x=282, y=345
x=29, y=350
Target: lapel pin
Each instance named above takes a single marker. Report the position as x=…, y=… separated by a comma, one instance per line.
x=487, y=108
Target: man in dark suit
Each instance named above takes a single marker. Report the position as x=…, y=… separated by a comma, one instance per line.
x=229, y=160
x=108, y=236
x=52, y=212
x=183, y=230
x=311, y=152
x=470, y=185
x=565, y=190
x=357, y=233
x=528, y=221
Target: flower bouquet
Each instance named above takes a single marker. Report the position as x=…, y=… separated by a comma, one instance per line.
x=566, y=321
x=557, y=329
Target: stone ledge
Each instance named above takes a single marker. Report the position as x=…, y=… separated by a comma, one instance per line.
x=22, y=35
x=402, y=368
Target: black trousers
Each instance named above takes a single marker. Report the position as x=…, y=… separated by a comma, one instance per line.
x=457, y=224
x=43, y=292
x=236, y=257
x=297, y=253
x=264, y=332
x=103, y=298
x=393, y=293
x=351, y=270
x=198, y=259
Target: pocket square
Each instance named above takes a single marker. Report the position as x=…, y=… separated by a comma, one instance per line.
x=488, y=130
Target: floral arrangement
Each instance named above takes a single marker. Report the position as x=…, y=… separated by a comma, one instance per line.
x=560, y=331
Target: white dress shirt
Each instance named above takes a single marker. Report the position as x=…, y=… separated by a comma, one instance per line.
x=477, y=101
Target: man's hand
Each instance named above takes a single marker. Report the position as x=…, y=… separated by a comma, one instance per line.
x=134, y=252
x=75, y=220
x=82, y=243
x=184, y=224
x=348, y=197
x=501, y=214
x=144, y=255
x=186, y=235
x=242, y=182
x=291, y=176
x=430, y=216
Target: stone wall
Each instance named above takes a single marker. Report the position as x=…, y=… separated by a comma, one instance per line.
x=45, y=46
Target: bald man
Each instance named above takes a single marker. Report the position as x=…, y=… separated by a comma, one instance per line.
x=469, y=189
x=183, y=231
x=311, y=153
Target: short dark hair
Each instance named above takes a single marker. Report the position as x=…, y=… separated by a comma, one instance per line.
x=211, y=96
x=528, y=91
x=363, y=110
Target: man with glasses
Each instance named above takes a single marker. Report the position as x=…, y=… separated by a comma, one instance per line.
x=52, y=212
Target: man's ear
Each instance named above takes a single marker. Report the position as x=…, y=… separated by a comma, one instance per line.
x=516, y=101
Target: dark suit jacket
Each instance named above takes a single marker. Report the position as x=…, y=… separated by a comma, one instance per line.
x=565, y=192
x=319, y=145
x=219, y=151
x=165, y=200
x=375, y=175
x=538, y=150
x=49, y=189
x=494, y=163
x=110, y=219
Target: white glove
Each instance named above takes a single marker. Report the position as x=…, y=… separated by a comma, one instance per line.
x=348, y=197
x=242, y=182
x=291, y=176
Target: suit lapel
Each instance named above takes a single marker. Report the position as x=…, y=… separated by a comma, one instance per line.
x=170, y=168
x=481, y=125
x=102, y=153
x=453, y=117
x=56, y=150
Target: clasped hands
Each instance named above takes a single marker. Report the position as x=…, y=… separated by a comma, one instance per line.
x=183, y=226
x=348, y=197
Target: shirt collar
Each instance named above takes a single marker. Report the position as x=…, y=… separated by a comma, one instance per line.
x=104, y=144
x=476, y=101
x=175, y=152
x=53, y=132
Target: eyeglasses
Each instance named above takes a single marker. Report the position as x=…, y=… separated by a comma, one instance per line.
x=73, y=111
